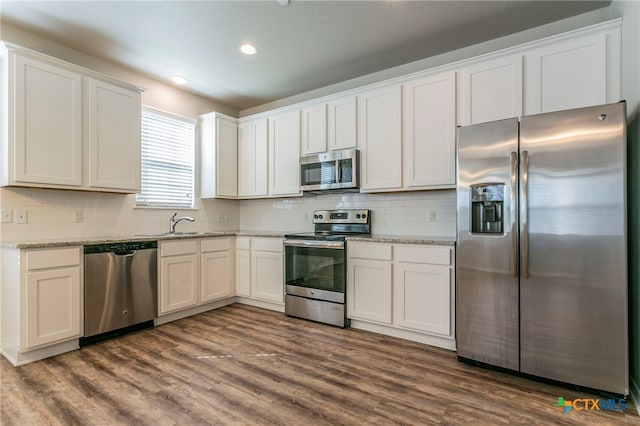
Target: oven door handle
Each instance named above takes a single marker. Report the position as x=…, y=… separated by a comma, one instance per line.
x=338, y=245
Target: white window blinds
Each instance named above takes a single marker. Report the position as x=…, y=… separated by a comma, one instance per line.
x=167, y=160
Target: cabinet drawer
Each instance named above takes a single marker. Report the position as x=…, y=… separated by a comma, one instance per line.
x=218, y=244
x=267, y=244
x=174, y=248
x=243, y=243
x=369, y=251
x=42, y=259
x=423, y=254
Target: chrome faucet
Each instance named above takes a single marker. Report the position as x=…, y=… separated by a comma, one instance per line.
x=173, y=222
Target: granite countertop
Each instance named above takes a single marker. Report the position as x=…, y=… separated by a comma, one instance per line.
x=406, y=239
x=79, y=241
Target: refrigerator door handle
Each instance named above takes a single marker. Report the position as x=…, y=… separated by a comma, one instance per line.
x=512, y=211
x=524, y=215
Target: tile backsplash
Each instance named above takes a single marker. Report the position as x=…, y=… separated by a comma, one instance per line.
x=50, y=214
x=406, y=213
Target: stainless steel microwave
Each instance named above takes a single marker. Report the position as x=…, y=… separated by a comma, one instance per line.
x=330, y=171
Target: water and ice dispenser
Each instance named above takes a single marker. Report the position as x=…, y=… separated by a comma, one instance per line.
x=487, y=208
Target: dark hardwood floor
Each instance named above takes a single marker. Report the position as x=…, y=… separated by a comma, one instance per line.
x=244, y=365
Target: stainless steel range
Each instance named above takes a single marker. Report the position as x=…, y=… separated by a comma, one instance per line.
x=316, y=266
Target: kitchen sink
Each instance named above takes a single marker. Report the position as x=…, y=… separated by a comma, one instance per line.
x=183, y=234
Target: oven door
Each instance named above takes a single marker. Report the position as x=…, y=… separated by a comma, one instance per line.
x=318, y=266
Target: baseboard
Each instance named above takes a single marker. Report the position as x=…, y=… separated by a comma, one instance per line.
x=192, y=311
x=272, y=306
x=427, y=339
x=634, y=392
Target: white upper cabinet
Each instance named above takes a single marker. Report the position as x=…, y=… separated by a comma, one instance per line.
x=314, y=129
x=380, y=138
x=429, y=131
x=218, y=156
x=341, y=123
x=45, y=126
x=567, y=75
x=329, y=126
x=284, y=154
x=491, y=90
x=114, y=137
x=66, y=127
x=252, y=158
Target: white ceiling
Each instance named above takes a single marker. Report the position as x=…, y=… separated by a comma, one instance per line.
x=302, y=46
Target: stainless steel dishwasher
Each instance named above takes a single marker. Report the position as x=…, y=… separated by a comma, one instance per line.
x=120, y=288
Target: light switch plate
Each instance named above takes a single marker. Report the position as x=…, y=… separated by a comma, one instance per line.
x=6, y=216
x=21, y=216
x=432, y=215
x=78, y=216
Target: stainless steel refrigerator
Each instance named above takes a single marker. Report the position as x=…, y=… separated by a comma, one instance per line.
x=541, y=268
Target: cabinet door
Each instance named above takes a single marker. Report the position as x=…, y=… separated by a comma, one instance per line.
x=218, y=157
x=178, y=283
x=491, y=90
x=243, y=273
x=422, y=297
x=216, y=276
x=341, y=123
x=114, y=137
x=252, y=158
x=379, y=139
x=226, y=157
x=314, y=129
x=567, y=75
x=52, y=299
x=267, y=280
x=429, y=131
x=47, y=124
x=284, y=154
x=369, y=290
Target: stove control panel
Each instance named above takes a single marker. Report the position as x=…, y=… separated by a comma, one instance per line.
x=341, y=216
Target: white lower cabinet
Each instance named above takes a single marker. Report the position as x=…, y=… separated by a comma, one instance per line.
x=178, y=275
x=42, y=295
x=193, y=272
x=403, y=290
x=260, y=272
x=216, y=270
x=369, y=282
x=422, y=297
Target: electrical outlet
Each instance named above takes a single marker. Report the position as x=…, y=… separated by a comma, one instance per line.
x=21, y=216
x=432, y=215
x=6, y=216
x=220, y=217
x=78, y=216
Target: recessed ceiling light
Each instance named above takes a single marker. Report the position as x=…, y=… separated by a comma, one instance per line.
x=248, y=49
x=178, y=79
x=283, y=2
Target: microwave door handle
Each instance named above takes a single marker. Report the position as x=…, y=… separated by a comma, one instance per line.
x=338, y=172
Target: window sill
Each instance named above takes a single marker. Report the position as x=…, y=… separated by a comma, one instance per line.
x=174, y=208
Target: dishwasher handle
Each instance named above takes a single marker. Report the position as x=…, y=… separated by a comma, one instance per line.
x=124, y=252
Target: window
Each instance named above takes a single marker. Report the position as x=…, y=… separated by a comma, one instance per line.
x=167, y=160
